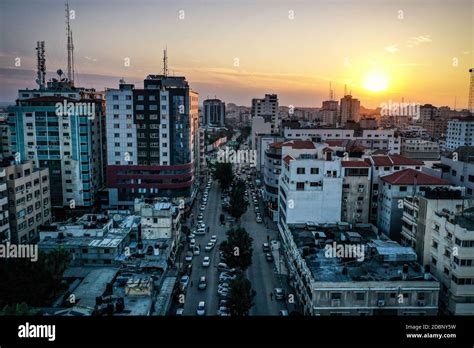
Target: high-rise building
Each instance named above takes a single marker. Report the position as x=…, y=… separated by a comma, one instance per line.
x=152, y=140
x=460, y=133
x=60, y=127
x=349, y=110
x=329, y=113
x=268, y=109
x=213, y=113
x=4, y=216
x=29, y=203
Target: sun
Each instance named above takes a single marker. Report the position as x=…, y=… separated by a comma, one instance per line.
x=375, y=82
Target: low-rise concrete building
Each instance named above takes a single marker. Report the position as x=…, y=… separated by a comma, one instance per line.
x=371, y=276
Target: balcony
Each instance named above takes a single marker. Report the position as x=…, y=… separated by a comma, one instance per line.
x=3, y=201
x=2, y=172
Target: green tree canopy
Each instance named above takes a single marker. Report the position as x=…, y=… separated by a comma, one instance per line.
x=241, y=297
x=237, y=249
x=223, y=173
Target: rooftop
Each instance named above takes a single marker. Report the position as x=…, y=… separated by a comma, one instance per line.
x=372, y=259
x=355, y=164
x=394, y=160
x=411, y=176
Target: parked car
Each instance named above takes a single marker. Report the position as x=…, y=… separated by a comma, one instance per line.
x=266, y=247
x=222, y=266
x=223, y=311
x=283, y=313
x=201, y=308
x=279, y=294
x=259, y=220
x=269, y=257
x=202, y=283
x=189, y=257
x=206, y=262
x=213, y=239
x=197, y=250
x=180, y=311
x=200, y=231
x=183, y=282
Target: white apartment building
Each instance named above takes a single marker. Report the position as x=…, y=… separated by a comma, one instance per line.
x=420, y=149
x=384, y=165
x=371, y=139
x=268, y=109
x=120, y=129
x=394, y=187
x=460, y=133
x=310, y=186
x=356, y=191
x=452, y=259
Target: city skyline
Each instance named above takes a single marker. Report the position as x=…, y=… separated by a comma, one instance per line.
x=243, y=58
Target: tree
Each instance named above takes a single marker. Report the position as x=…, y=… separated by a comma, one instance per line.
x=237, y=249
x=223, y=173
x=241, y=296
x=238, y=205
x=34, y=283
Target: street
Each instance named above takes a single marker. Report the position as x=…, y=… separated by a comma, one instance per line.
x=261, y=273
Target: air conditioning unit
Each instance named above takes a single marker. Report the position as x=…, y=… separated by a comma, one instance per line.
x=357, y=215
x=376, y=192
x=374, y=205
x=361, y=190
x=380, y=303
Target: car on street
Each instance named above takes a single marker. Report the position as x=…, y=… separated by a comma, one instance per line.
x=283, y=313
x=183, y=282
x=223, y=311
x=213, y=239
x=202, y=283
x=266, y=247
x=206, y=261
x=197, y=250
x=222, y=266
x=259, y=220
x=200, y=231
x=209, y=246
x=201, y=308
x=223, y=292
x=180, y=311
x=223, y=302
x=269, y=257
x=202, y=208
x=279, y=294
x=189, y=257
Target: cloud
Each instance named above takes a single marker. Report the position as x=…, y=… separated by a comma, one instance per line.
x=91, y=59
x=418, y=40
x=392, y=48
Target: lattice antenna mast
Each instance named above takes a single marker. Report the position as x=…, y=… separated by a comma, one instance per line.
x=165, y=62
x=471, y=92
x=40, y=65
x=70, y=48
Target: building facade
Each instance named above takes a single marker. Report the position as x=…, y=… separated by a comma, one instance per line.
x=213, y=113
x=60, y=128
x=152, y=140
x=29, y=203
x=460, y=133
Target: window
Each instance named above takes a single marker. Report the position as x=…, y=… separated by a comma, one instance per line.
x=314, y=170
x=360, y=296
x=300, y=170
x=403, y=189
x=300, y=186
x=336, y=296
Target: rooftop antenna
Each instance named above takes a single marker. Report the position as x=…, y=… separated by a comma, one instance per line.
x=455, y=102
x=345, y=90
x=41, y=64
x=471, y=92
x=331, y=93
x=70, y=48
x=165, y=62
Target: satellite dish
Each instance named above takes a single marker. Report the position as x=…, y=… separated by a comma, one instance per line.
x=59, y=72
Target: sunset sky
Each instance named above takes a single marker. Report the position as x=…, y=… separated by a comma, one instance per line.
x=417, y=49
